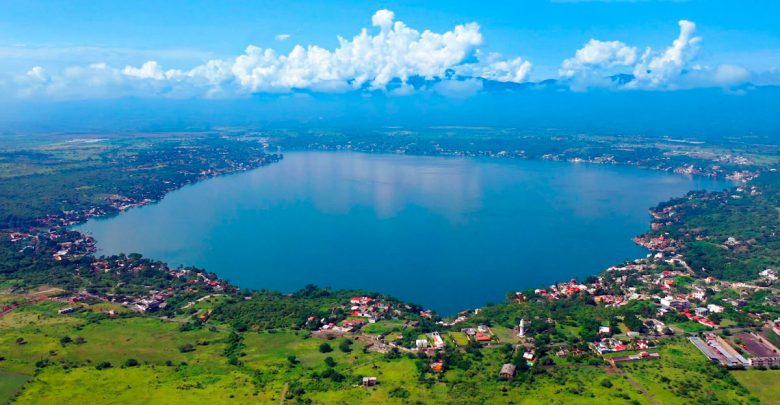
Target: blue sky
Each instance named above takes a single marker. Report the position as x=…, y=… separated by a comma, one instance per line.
x=86, y=49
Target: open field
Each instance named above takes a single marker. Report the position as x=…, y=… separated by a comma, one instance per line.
x=10, y=384
x=291, y=364
x=763, y=384
x=683, y=374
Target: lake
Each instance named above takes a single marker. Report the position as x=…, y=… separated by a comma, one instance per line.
x=447, y=233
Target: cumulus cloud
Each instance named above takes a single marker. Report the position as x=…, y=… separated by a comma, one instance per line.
x=392, y=51
x=38, y=73
x=596, y=60
x=598, y=55
x=657, y=70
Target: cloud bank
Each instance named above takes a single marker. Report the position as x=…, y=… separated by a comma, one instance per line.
x=388, y=57
x=600, y=63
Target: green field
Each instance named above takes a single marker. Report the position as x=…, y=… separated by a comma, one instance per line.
x=10, y=384
x=684, y=375
x=290, y=364
x=764, y=384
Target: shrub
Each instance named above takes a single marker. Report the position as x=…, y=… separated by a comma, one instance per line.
x=325, y=348
x=345, y=346
x=103, y=365
x=186, y=348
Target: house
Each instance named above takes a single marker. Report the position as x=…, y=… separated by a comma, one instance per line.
x=437, y=366
x=655, y=324
x=369, y=381
x=66, y=310
x=438, y=342
x=603, y=330
x=701, y=311
x=421, y=344
x=507, y=371
x=482, y=337
x=715, y=309
x=768, y=275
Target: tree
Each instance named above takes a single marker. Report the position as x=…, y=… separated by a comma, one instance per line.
x=330, y=362
x=131, y=363
x=345, y=346
x=325, y=348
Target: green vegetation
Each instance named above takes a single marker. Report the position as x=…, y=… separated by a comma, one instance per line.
x=763, y=384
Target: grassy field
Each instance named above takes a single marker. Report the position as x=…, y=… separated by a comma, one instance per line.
x=764, y=384
x=684, y=375
x=384, y=327
x=290, y=365
x=10, y=384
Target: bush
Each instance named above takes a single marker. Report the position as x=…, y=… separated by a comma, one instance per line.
x=606, y=383
x=325, y=348
x=103, y=365
x=345, y=346
x=330, y=362
x=131, y=363
x=65, y=340
x=186, y=348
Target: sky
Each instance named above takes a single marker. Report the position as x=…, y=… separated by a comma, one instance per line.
x=213, y=49
x=579, y=64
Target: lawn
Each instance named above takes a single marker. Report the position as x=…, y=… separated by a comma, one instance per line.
x=384, y=326
x=764, y=384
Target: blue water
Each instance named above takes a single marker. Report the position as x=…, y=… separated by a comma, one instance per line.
x=448, y=233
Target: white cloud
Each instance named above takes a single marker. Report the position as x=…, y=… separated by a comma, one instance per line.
x=659, y=70
x=495, y=67
x=38, y=73
x=282, y=37
x=149, y=70
x=594, y=62
x=598, y=55
x=383, y=19
x=367, y=60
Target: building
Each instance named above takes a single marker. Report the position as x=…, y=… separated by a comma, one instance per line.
x=438, y=342
x=521, y=328
x=719, y=351
x=762, y=353
x=507, y=371
x=369, y=381
x=421, y=344
x=715, y=309
x=701, y=311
